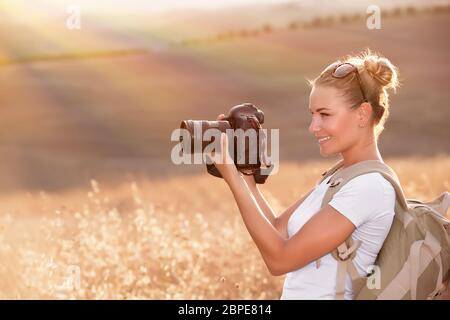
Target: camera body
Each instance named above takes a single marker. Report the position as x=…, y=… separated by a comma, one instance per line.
x=245, y=117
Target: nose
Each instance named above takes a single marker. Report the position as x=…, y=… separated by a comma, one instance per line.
x=314, y=126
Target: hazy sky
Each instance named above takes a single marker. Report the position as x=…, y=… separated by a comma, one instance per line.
x=149, y=4
x=165, y=4
x=145, y=5
x=27, y=10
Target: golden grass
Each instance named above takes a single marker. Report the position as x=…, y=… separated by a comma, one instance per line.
x=178, y=238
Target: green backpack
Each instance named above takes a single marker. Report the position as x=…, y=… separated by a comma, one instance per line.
x=414, y=261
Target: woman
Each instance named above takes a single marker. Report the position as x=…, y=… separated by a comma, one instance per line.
x=349, y=105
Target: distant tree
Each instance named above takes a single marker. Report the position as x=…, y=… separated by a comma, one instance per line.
x=317, y=22
x=293, y=25
x=397, y=12
x=329, y=20
x=356, y=17
x=243, y=33
x=440, y=8
x=267, y=28
x=344, y=18
x=410, y=10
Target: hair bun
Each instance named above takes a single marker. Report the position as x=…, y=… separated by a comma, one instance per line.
x=382, y=70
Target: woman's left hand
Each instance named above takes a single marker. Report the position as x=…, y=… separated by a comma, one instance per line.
x=223, y=161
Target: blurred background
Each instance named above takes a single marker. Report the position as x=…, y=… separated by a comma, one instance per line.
x=101, y=101
x=96, y=105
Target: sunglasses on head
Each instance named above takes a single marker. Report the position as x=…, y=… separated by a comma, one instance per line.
x=341, y=70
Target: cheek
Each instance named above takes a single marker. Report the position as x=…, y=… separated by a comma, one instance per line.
x=341, y=126
x=334, y=125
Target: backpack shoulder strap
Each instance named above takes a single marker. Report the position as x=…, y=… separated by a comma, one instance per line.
x=330, y=171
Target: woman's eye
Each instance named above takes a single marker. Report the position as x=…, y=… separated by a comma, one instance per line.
x=322, y=114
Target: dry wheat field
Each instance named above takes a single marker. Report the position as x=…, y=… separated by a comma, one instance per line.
x=175, y=238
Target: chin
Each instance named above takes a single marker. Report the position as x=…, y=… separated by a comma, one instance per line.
x=324, y=154
x=327, y=154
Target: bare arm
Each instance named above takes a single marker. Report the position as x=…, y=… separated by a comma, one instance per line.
x=326, y=230
x=279, y=222
x=262, y=202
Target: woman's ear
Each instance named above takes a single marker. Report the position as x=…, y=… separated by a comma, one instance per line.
x=364, y=114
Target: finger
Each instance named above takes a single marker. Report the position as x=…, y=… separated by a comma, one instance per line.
x=225, y=140
x=224, y=150
x=219, y=149
x=220, y=116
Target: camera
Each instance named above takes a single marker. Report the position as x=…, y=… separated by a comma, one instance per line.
x=249, y=140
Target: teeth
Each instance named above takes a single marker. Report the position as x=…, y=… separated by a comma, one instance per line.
x=324, y=139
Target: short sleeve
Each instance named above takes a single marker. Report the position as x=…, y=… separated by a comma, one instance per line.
x=360, y=198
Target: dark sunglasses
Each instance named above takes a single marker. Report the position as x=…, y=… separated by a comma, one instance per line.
x=341, y=70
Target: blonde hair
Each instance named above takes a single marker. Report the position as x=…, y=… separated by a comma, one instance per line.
x=377, y=75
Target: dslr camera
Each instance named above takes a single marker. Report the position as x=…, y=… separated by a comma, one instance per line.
x=248, y=144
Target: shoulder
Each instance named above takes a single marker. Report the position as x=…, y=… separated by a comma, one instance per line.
x=372, y=189
x=364, y=197
x=373, y=181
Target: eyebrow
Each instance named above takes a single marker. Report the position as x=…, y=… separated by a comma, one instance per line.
x=320, y=109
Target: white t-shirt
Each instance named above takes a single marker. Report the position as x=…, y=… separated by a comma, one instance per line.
x=368, y=201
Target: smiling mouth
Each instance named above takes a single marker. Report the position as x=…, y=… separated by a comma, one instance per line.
x=323, y=140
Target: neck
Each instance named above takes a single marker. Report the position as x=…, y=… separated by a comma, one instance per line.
x=367, y=149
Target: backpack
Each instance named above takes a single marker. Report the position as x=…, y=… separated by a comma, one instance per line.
x=414, y=261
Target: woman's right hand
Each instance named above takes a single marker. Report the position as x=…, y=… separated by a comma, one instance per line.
x=250, y=180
